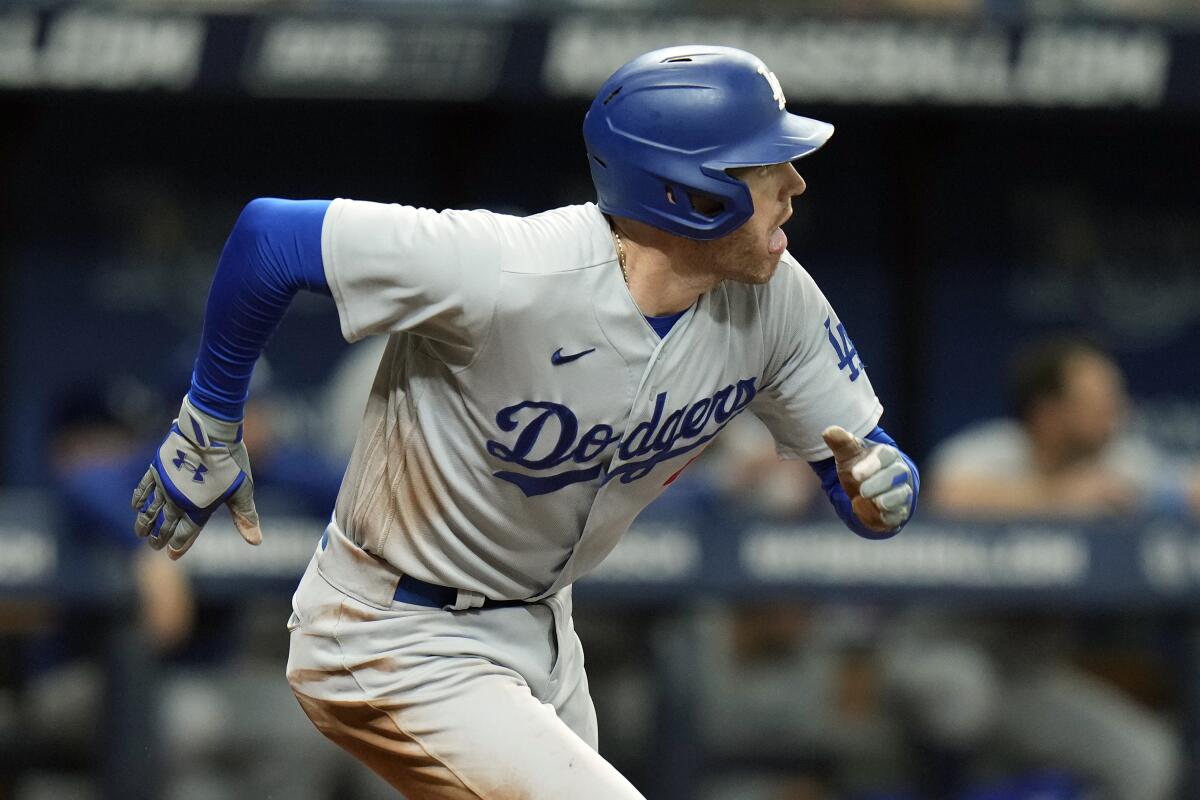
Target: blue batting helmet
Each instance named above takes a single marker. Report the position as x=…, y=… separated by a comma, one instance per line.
x=666, y=126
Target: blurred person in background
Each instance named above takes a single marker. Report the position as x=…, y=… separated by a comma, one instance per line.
x=1011, y=691
x=1068, y=453
x=789, y=692
x=229, y=728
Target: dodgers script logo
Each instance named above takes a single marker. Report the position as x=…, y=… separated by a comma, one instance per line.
x=548, y=438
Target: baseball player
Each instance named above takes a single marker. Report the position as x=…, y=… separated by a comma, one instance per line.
x=544, y=379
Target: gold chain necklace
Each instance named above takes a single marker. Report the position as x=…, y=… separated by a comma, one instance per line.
x=621, y=256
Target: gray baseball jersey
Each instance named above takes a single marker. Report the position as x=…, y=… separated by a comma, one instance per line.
x=525, y=412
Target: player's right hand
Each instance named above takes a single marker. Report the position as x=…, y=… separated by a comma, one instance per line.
x=201, y=464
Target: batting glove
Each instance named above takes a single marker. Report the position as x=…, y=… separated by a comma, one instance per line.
x=878, y=481
x=199, y=466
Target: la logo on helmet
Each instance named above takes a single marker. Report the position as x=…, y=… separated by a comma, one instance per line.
x=776, y=89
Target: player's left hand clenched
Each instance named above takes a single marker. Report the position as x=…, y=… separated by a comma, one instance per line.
x=201, y=464
x=878, y=481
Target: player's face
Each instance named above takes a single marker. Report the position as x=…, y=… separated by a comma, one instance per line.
x=752, y=252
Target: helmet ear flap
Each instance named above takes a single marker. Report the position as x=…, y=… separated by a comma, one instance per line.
x=694, y=203
x=706, y=205
x=709, y=201
x=680, y=196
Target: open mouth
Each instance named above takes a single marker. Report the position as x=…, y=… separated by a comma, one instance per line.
x=777, y=240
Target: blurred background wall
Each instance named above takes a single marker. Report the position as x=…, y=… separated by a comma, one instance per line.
x=1001, y=171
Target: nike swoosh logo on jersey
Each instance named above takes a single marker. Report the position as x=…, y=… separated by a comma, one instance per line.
x=557, y=357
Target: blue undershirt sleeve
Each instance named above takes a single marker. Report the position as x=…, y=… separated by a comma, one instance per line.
x=273, y=251
x=827, y=473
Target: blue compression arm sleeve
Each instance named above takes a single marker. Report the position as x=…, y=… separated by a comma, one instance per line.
x=273, y=251
x=827, y=472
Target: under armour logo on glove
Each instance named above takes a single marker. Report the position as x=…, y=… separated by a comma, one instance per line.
x=181, y=463
x=172, y=511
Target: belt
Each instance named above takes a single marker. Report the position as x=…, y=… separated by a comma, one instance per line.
x=344, y=557
x=418, y=592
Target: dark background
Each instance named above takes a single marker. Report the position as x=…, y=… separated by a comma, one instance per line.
x=943, y=237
